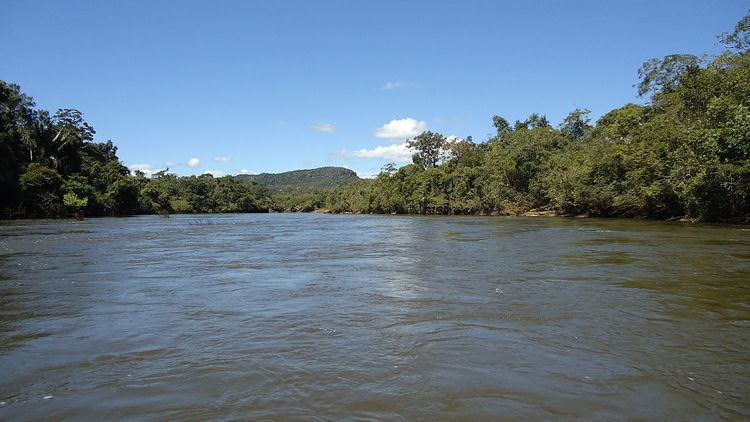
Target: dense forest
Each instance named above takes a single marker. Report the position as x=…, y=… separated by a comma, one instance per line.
x=317, y=178
x=686, y=153
x=50, y=166
x=302, y=190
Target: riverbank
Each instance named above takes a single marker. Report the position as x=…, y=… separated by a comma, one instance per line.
x=507, y=213
x=545, y=214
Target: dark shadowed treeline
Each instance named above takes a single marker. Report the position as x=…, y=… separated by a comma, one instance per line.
x=50, y=166
x=685, y=153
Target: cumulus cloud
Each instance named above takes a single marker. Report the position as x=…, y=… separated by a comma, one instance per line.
x=395, y=152
x=223, y=158
x=324, y=127
x=194, y=162
x=363, y=175
x=215, y=173
x=147, y=169
x=401, y=129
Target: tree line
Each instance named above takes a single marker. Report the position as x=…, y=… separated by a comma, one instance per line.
x=684, y=153
x=50, y=166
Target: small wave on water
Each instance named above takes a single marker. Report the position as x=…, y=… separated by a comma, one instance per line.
x=289, y=316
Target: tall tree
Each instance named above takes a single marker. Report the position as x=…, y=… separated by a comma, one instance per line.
x=576, y=124
x=537, y=121
x=739, y=39
x=16, y=140
x=501, y=125
x=659, y=75
x=428, y=148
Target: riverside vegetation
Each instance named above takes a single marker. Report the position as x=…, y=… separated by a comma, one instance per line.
x=683, y=154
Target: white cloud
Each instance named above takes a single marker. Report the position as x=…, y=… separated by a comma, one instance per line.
x=401, y=129
x=395, y=152
x=246, y=171
x=170, y=164
x=147, y=169
x=324, y=127
x=194, y=162
x=363, y=175
x=215, y=173
x=223, y=158
x=392, y=85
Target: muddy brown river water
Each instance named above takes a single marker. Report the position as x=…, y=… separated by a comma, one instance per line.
x=331, y=317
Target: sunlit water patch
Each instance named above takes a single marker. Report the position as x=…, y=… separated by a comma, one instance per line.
x=297, y=317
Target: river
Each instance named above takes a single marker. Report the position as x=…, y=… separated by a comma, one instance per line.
x=331, y=317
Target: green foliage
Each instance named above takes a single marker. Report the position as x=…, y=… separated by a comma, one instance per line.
x=121, y=197
x=40, y=188
x=686, y=153
x=534, y=121
x=74, y=201
x=576, y=124
x=75, y=204
x=51, y=164
x=501, y=125
x=659, y=75
x=739, y=39
x=298, y=200
x=620, y=125
x=16, y=125
x=319, y=178
x=166, y=193
x=720, y=192
x=428, y=147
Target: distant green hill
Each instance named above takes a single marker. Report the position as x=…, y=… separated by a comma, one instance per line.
x=319, y=178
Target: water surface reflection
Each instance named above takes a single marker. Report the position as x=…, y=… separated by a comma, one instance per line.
x=391, y=318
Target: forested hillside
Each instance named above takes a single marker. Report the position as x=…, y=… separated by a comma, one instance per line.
x=318, y=178
x=685, y=152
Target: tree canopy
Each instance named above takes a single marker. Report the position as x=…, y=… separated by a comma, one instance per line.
x=686, y=152
x=50, y=166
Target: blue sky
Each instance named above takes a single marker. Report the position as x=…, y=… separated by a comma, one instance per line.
x=231, y=86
